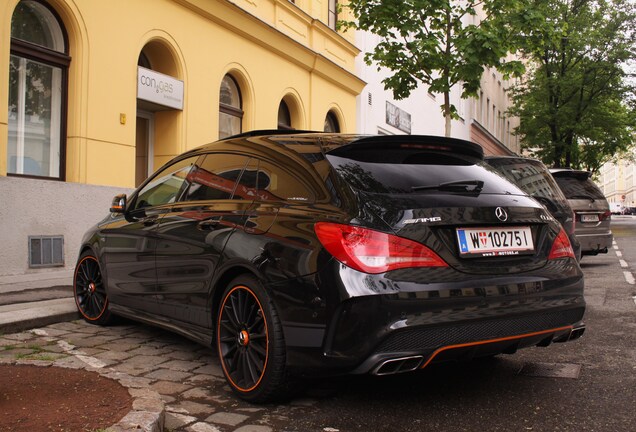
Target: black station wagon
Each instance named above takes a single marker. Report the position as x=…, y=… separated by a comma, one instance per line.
x=305, y=254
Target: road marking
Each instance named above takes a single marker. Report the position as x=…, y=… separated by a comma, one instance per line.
x=619, y=254
x=634, y=303
x=615, y=246
x=623, y=263
x=629, y=277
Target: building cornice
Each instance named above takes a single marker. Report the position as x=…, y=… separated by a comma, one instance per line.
x=232, y=17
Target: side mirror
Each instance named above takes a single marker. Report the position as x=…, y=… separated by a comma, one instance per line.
x=119, y=204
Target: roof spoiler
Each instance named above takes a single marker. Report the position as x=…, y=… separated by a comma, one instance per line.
x=415, y=142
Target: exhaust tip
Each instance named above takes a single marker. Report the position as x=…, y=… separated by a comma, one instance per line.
x=575, y=333
x=398, y=365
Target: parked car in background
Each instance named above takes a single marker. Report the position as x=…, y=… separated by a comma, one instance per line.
x=593, y=215
x=629, y=210
x=616, y=208
x=298, y=254
x=533, y=177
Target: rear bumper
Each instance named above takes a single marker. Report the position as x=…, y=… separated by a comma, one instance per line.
x=592, y=244
x=464, y=344
x=399, y=316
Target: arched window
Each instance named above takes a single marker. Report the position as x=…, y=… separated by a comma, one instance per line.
x=284, y=116
x=331, y=123
x=230, y=108
x=38, y=70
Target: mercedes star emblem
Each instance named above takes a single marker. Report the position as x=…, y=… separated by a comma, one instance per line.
x=501, y=214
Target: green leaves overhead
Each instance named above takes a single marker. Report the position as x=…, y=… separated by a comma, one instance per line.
x=439, y=43
x=575, y=104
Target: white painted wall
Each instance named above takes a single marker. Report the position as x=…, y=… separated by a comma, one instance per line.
x=30, y=207
x=426, y=114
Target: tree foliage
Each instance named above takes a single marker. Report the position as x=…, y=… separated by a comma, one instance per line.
x=440, y=43
x=576, y=105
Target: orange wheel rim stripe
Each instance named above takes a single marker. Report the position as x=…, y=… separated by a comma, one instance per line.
x=218, y=339
x=79, y=308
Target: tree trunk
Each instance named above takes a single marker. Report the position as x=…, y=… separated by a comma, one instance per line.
x=447, y=115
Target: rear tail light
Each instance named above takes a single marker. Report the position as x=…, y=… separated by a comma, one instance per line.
x=561, y=248
x=371, y=251
x=606, y=215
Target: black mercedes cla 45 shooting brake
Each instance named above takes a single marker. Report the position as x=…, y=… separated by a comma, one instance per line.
x=299, y=254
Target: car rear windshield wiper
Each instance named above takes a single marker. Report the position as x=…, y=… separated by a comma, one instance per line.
x=454, y=186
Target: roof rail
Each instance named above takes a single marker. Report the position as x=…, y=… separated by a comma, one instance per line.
x=263, y=132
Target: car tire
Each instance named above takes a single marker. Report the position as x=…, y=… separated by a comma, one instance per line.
x=250, y=342
x=89, y=291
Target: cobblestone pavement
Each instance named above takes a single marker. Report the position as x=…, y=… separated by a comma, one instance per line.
x=186, y=375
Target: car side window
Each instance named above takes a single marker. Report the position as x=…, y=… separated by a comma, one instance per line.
x=247, y=184
x=276, y=184
x=215, y=178
x=166, y=186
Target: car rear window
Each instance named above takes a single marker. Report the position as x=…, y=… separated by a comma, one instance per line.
x=530, y=175
x=410, y=170
x=577, y=188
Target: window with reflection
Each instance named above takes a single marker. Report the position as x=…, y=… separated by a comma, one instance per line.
x=167, y=185
x=331, y=123
x=38, y=68
x=216, y=177
x=284, y=117
x=333, y=14
x=276, y=184
x=230, y=108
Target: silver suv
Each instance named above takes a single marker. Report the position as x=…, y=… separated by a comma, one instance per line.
x=591, y=209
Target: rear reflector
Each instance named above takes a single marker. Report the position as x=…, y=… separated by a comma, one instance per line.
x=561, y=248
x=371, y=251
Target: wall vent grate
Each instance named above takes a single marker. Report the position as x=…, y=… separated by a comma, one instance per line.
x=46, y=251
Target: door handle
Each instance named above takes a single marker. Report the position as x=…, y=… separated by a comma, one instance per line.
x=208, y=223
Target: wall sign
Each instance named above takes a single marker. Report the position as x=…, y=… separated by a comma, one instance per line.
x=398, y=118
x=158, y=88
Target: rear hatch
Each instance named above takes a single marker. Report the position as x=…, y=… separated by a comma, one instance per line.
x=533, y=177
x=586, y=199
x=440, y=193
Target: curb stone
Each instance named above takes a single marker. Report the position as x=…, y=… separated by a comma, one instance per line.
x=148, y=409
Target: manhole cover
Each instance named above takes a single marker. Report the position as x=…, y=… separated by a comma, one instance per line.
x=551, y=370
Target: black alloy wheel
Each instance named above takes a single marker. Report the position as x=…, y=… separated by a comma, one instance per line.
x=250, y=342
x=90, y=292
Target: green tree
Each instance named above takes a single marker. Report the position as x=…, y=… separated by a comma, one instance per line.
x=574, y=105
x=440, y=43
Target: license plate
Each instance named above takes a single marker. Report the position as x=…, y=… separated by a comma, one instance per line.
x=589, y=218
x=482, y=242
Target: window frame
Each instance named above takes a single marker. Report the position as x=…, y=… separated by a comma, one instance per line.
x=202, y=157
x=332, y=18
x=280, y=125
x=49, y=57
x=332, y=118
x=230, y=110
x=134, y=209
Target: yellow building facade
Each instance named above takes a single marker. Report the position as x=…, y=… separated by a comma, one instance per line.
x=275, y=51
x=80, y=82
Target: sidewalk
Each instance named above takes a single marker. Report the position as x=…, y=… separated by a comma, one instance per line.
x=36, y=300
